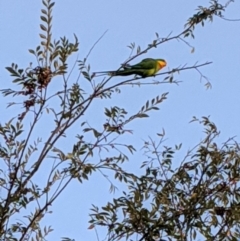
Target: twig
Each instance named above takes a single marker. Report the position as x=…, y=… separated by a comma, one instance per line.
x=89, y=52
x=228, y=2
x=163, y=40
x=95, y=44
x=233, y=20
x=155, y=83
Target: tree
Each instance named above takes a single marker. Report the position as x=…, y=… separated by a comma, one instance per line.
x=198, y=198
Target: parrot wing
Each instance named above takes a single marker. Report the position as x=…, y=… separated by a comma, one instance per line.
x=145, y=64
x=130, y=71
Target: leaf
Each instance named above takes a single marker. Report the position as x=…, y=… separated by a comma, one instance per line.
x=91, y=226
x=51, y=5
x=12, y=71
x=42, y=36
x=138, y=49
x=44, y=3
x=154, y=44
x=107, y=112
x=43, y=27
x=86, y=75
x=55, y=64
x=131, y=148
x=153, y=100
x=147, y=104
x=43, y=43
x=142, y=115
x=87, y=129
x=44, y=19
x=44, y=11
x=31, y=51
x=96, y=133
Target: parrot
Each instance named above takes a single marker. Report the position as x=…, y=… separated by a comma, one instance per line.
x=146, y=68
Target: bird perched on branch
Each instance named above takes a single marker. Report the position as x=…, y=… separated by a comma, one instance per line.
x=145, y=68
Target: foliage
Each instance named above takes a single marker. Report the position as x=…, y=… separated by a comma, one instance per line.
x=200, y=197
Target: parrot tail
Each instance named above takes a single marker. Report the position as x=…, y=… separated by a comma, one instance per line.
x=127, y=72
x=124, y=72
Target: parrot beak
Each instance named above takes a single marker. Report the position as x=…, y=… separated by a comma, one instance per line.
x=163, y=64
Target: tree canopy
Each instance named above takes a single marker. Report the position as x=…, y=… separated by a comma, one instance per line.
x=171, y=198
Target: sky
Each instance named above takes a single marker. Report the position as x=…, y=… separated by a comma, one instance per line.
x=127, y=22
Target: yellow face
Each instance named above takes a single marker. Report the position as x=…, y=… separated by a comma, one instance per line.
x=162, y=63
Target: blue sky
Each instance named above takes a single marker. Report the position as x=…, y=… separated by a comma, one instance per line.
x=127, y=22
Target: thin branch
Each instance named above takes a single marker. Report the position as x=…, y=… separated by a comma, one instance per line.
x=73, y=67
x=233, y=20
x=85, y=59
x=228, y=2
x=161, y=41
x=163, y=73
x=95, y=44
x=155, y=83
x=19, y=164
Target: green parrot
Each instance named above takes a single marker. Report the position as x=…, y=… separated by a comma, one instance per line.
x=147, y=67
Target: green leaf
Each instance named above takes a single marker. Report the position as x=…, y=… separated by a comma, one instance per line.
x=31, y=51
x=44, y=11
x=43, y=27
x=142, y=115
x=44, y=19
x=42, y=36
x=86, y=75
x=51, y=5
x=96, y=133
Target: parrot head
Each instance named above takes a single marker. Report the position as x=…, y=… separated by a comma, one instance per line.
x=162, y=63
